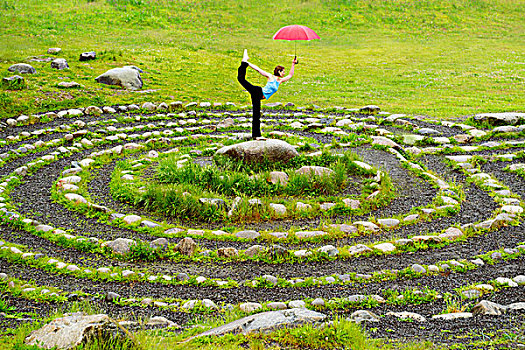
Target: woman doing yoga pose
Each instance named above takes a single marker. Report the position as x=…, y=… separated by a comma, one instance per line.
x=258, y=93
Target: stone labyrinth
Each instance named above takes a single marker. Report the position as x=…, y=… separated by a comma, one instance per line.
x=376, y=217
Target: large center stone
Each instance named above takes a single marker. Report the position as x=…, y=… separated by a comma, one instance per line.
x=260, y=150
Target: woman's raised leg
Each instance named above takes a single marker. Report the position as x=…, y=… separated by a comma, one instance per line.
x=241, y=77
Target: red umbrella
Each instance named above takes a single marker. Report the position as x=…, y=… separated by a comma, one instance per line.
x=295, y=32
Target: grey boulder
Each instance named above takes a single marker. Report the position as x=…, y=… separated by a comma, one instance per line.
x=260, y=150
x=127, y=77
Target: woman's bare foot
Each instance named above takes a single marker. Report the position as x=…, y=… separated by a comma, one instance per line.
x=245, y=57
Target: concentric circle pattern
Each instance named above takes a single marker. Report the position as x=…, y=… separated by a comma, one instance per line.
x=134, y=209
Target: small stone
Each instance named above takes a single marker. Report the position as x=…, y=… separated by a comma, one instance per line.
x=249, y=307
x=276, y=306
x=111, y=296
x=182, y=277
x=471, y=293
x=209, y=304
x=308, y=234
x=486, y=307
x=228, y=252
x=59, y=63
x=330, y=250
x=363, y=316
x=519, y=279
x=407, y=316
x=418, y=268
x=254, y=250
x=478, y=262
x=303, y=253
x=388, y=223
x=296, y=303
x=249, y=234
x=516, y=307
x=131, y=219
x=279, y=209
x=271, y=279
x=120, y=245
x=352, y=203
x=318, y=302
x=189, y=305
x=186, y=246
x=506, y=281
x=22, y=68
x=87, y=56
x=385, y=247
x=453, y=316
x=160, y=243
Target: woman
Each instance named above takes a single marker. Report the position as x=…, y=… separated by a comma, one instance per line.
x=258, y=93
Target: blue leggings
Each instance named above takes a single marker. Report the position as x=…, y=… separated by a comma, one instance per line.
x=256, y=95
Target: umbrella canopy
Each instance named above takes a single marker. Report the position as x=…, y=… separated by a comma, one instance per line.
x=295, y=32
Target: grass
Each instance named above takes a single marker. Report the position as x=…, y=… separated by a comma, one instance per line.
x=439, y=58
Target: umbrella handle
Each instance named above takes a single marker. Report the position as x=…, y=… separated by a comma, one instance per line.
x=296, y=60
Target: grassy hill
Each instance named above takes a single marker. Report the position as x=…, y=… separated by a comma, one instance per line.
x=439, y=58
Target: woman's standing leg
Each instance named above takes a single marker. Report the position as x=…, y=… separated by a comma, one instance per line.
x=256, y=119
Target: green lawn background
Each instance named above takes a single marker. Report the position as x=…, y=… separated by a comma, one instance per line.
x=443, y=59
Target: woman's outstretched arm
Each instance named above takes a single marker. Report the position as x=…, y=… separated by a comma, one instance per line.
x=263, y=73
x=290, y=75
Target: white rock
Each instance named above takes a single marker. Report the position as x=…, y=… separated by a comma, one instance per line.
x=385, y=247
x=506, y=281
x=453, y=316
x=249, y=307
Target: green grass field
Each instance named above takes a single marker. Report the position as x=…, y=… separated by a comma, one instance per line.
x=443, y=59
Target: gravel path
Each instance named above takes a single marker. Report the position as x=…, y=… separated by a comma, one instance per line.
x=32, y=200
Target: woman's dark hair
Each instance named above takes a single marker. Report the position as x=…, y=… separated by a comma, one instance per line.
x=277, y=70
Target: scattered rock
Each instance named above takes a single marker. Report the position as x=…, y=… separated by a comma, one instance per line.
x=88, y=56
x=120, y=245
x=363, y=316
x=486, y=307
x=186, y=246
x=250, y=234
x=22, y=68
x=13, y=83
x=227, y=252
x=59, y=63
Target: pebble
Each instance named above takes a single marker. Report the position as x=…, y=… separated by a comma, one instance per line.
x=296, y=303
x=418, y=268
